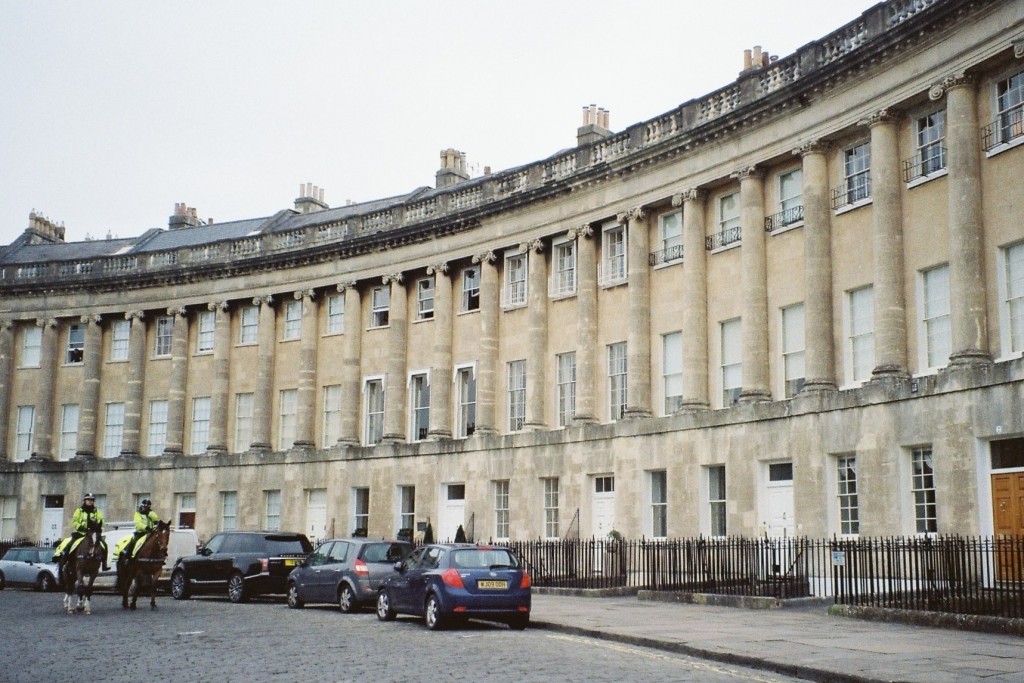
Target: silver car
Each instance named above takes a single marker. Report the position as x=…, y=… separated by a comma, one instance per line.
x=346, y=572
x=30, y=567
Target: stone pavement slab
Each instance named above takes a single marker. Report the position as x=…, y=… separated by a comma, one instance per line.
x=805, y=642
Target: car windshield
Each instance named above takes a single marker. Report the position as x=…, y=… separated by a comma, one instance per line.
x=484, y=558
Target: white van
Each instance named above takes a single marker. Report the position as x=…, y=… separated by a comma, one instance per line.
x=183, y=542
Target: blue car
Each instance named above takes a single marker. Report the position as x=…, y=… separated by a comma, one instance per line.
x=447, y=583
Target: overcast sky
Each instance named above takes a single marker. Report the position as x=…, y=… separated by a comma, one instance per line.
x=113, y=111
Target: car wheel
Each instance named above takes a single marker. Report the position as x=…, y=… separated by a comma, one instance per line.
x=179, y=586
x=3, y=581
x=519, y=623
x=46, y=582
x=294, y=601
x=385, y=612
x=432, y=614
x=346, y=599
x=236, y=588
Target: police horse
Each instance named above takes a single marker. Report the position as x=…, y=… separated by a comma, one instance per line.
x=81, y=566
x=143, y=569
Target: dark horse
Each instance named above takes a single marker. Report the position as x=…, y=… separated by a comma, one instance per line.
x=143, y=570
x=80, y=570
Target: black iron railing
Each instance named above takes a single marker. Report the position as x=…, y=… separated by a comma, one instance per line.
x=789, y=216
x=723, y=238
x=673, y=253
x=926, y=162
x=1008, y=127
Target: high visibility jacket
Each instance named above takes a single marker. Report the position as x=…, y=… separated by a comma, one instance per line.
x=144, y=523
x=83, y=518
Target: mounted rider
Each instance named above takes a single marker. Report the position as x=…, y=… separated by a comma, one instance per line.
x=87, y=518
x=145, y=522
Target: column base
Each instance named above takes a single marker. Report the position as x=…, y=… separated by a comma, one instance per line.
x=755, y=396
x=636, y=413
x=392, y=438
x=969, y=358
x=692, y=406
x=40, y=457
x=583, y=420
x=347, y=443
x=129, y=455
x=485, y=431
x=886, y=371
x=818, y=386
x=439, y=434
x=83, y=456
x=535, y=427
x=217, y=450
x=174, y=451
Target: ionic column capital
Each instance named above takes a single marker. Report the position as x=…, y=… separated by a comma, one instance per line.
x=46, y=322
x=882, y=116
x=585, y=230
x=267, y=300
x=6, y=325
x=962, y=80
x=438, y=268
x=217, y=306
x=177, y=311
x=397, y=278
x=635, y=214
x=135, y=315
x=94, y=319
x=342, y=286
x=746, y=172
x=307, y=293
x=812, y=147
x=532, y=245
x=693, y=194
x=485, y=257
x=1018, y=47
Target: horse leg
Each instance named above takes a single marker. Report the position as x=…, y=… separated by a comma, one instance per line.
x=88, y=592
x=133, y=589
x=152, y=591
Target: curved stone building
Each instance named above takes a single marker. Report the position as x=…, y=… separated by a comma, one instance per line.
x=794, y=305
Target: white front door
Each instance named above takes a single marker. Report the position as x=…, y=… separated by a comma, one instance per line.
x=779, y=501
x=316, y=514
x=51, y=527
x=452, y=513
x=602, y=515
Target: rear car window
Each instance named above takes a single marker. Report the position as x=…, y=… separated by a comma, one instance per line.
x=280, y=545
x=385, y=552
x=480, y=558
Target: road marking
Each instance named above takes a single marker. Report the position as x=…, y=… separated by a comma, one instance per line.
x=191, y=633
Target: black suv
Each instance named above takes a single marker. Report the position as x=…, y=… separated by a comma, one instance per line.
x=245, y=563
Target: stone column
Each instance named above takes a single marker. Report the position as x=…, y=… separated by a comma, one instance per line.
x=220, y=393
x=638, y=337
x=398, y=342
x=819, y=351
x=136, y=380
x=6, y=367
x=42, y=430
x=263, y=401
x=754, y=282
x=887, y=245
x=306, y=425
x=176, y=412
x=350, y=365
x=968, y=317
x=586, y=324
x=695, y=302
x=441, y=365
x=537, y=331
x=88, y=406
x=490, y=293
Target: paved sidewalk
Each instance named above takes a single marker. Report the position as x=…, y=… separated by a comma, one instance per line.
x=805, y=642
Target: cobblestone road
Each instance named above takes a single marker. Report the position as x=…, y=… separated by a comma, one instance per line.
x=208, y=639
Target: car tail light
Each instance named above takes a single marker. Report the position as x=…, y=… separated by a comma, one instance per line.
x=264, y=564
x=451, y=578
x=361, y=568
x=525, y=582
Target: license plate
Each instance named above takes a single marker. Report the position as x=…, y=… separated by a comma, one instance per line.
x=492, y=585
x=290, y=563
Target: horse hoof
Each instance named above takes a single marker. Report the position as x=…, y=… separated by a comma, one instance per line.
x=132, y=607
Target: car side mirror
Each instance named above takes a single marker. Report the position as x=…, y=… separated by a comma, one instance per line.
x=206, y=552
x=399, y=566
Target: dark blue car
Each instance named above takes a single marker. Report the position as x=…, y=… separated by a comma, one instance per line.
x=446, y=583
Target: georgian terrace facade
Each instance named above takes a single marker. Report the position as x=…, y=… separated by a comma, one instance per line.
x=793, y=306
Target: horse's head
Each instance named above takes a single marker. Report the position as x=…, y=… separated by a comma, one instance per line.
x=162, y=538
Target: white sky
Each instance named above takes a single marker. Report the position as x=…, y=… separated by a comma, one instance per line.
x=111, y=111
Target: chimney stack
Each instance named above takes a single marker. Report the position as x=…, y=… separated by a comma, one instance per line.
x=42, y=229
x=184, y=217
x=595, y=126
x=310, y=199
x=453, y=168
x=756, y=59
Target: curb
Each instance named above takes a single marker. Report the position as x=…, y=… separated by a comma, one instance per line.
x=956, y=622
x=796, y=670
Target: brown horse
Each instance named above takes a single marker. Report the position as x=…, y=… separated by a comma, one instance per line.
x=143, y=570
x=82, y=563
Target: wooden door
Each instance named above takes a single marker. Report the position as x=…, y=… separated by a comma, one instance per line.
x=1008, y=520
